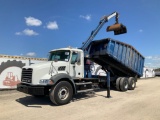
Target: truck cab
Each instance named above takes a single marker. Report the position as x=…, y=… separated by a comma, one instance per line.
x=68, y=61
x=63, y=75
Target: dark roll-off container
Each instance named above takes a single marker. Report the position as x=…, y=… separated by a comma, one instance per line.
x=121, y=58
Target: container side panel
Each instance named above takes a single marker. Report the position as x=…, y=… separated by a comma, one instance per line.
x=110, y=48
x=124, y=54
x=137, y=67
x=135, y=64
x=133, y=60
x=130, y=58
x=127, y=56
x=120, y=52
x=129, y=50
x=142, y=65
x=104, y=48
x=138, y=64
x=115, y=53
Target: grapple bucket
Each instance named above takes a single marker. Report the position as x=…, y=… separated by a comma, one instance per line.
x=117, y=28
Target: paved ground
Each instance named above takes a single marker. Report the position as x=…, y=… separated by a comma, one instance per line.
x=141, y=104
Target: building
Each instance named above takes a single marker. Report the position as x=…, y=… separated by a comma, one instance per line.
x=11, y=67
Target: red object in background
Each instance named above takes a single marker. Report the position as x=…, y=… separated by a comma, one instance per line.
x=88, y=62
x=11, y=80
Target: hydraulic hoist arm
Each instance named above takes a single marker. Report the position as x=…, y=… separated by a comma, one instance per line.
x=117, y=28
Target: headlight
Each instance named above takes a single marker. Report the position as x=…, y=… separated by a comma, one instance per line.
x=44, y=81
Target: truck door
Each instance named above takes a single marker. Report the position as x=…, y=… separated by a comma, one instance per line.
x=76, y=66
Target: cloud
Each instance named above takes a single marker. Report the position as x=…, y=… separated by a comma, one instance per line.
x=18, y=33
x=148, y=57
x=52, y=25
x=152, y=65
x=152, y=61
x=27, y=32
x=31, y=54
x=155, y=57
x=86, y=17
x=31, y=21
x=148, y=63
x=140, y=30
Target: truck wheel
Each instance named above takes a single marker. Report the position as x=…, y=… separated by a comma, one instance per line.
x=118, y=83
x=132, y=83
x=124, y=84
x=61, y=93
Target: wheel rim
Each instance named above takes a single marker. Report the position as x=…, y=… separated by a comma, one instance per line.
x=126, y=85
x=133, y=84
x=63, y=93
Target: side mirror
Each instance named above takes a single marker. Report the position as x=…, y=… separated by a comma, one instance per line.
x=117, y=28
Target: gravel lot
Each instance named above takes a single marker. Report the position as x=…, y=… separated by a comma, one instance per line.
x=141, y=104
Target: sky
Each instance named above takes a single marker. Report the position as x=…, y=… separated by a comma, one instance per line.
x=34, y=27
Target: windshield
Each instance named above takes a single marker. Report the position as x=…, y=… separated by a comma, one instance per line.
x=59, y=55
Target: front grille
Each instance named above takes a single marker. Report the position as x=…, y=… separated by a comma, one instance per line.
x=27, y=75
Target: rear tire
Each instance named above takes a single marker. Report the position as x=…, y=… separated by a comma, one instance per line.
x=124, y=84
x=61, y=93
x=118, y=83
x=132, y=83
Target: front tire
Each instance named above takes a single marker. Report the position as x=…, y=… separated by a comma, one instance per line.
x=61, y=93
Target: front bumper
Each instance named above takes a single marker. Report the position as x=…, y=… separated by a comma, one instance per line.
x=33, y=90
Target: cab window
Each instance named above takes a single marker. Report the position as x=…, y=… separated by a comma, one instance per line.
x=59, y=55
x=76, y=58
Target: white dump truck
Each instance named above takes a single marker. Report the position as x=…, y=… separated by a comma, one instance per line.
x=67, y=71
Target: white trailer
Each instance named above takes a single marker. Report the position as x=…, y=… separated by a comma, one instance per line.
x=148, y=72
